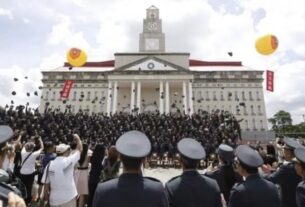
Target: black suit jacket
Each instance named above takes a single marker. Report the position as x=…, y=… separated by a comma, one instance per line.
x=300, y=193
x=254, y=192
x=130, y=190
x=193, y=190
x=287, y=178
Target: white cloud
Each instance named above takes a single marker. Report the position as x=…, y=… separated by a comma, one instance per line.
x=26, y=20
x=207, y=29
x=7, y=13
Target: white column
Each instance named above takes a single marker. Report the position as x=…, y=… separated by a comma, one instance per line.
x=132, y=96
x=109, y=97
x=161, y=97
x=184, y=97
x=139, y=96
x=191, y=98
x=115, y=97
x=166, y=97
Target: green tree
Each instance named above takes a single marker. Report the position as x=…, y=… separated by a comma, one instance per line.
x=281, y=121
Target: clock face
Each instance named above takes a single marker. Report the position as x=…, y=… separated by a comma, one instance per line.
x=152, y=26
x=152, y=44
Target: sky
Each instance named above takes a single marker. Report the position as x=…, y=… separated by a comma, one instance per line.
x=36, y=34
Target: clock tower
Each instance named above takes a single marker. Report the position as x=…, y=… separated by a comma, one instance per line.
x=152, y=39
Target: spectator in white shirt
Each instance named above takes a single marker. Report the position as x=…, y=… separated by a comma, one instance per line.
x=60, y=189
x=28, y=171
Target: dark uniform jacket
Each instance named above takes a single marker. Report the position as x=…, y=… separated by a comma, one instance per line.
x=287, y=178
x=219, y=176
x=300, y=193
x=130, y=190
x=254, y=192
x=192, y=189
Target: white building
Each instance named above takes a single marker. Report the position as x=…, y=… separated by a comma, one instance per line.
x=153, y=79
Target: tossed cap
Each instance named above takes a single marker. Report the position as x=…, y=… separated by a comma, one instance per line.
x=61, y=148
x=248, y=156
x=300, y=155
x=6, y=133
x=191, y=149
x=291, y=143
x=226, y=152
x=133, y=144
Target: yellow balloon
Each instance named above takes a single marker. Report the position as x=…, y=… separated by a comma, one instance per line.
x=76, y=57
x=266, y=45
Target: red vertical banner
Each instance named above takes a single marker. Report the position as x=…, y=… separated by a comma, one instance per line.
x=66, y=89
x=270, y=80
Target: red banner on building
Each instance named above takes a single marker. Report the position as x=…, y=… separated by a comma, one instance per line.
x=270, y=80
x=66, y=89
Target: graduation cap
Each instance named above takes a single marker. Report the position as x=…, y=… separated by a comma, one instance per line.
x=134, y=90
x=229, y=94
x=162, y=96
x=80, y=100
x=165, y=65
x=41, y=97
x=35, y=93
x=12, y=102
x=64, y=101
x=82, y=95
x=230, y=54
x=47, y=103
x=182, y=96
x=119, y=104
x=13, y=93
x=193, y=98
x=25, y=77
x=173, y=105
x=180, y=101
x=155, y=102
x=103, y=98
x=199, y=101
x=143, y=100
x=124, y=96
x=118, y=88
x=157, y=89
x=40, y=87
x=15, y=79
x=222, y=88
x=110, y=95
x=100, y=102
x=70, y=68
x=175, y=101
x=50, y=89
x=242, y=104
x=28, y=94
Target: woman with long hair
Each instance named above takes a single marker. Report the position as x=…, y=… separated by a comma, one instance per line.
x=96, y=169
x=111, y=164
x=225, y=175
x=82, y=175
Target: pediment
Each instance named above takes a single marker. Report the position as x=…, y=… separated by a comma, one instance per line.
x=151, y=64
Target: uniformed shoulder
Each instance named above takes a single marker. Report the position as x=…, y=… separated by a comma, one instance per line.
x=108, y=179
x=209, y=179
x=153, y=179
x=238, y=186
x=173, y=178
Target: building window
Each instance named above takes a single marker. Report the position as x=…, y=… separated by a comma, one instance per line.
x=236, y=96
x=73, y=108
x=252, y=110
x=214, y=96
x=74, y=95
x=87, y=108
x=94, y=108
x=245, y=110
x=237, y=110
x=95, y=95
x=258, y=96
x=208, y=108
x=230, y=109
x=53, y=96
x=229, y=96
x=207, y=95
x=250, y=96
x=262, y=125
x=259, y=110
x=47, y=95
x=221, y=96
x=243, y=96
x=88, y=96
x=247, y=124
x=254, y=124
